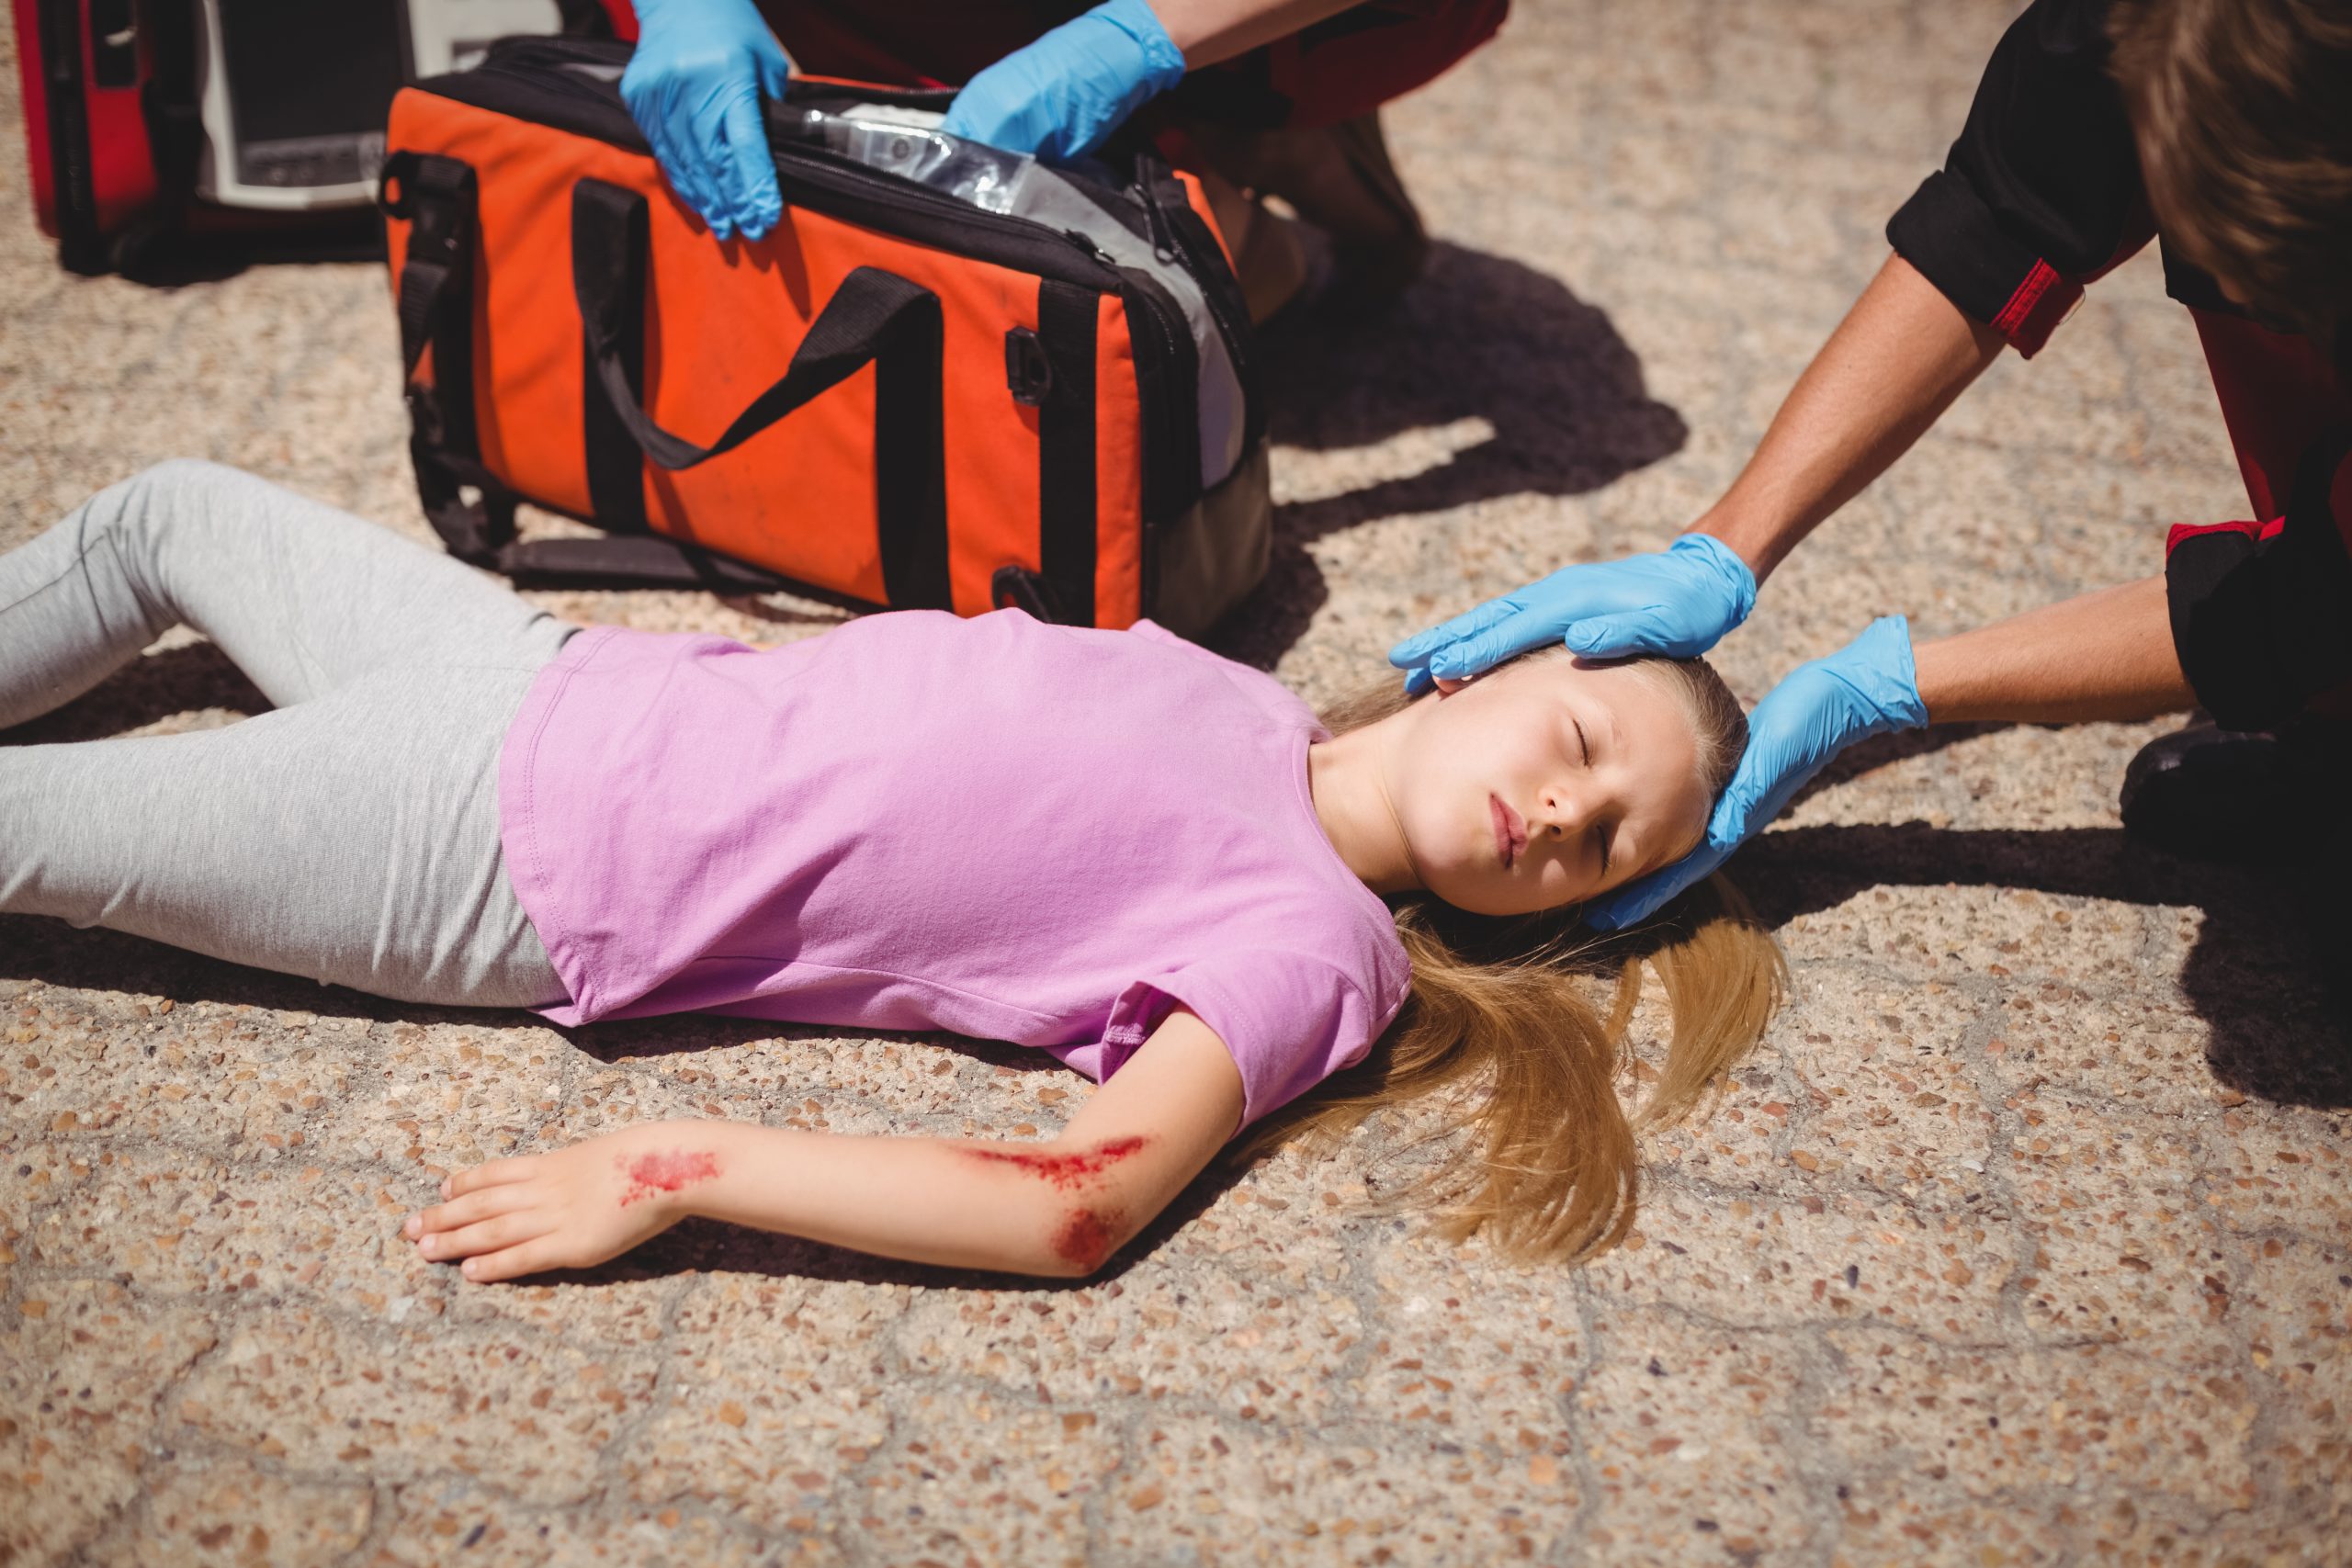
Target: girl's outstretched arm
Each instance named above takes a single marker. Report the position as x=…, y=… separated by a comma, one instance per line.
x=1058, y=1208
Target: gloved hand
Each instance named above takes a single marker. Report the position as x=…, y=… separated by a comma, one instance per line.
x=1060, y=97
x=694, y=87
x=1680, y=603
x=1867, y=687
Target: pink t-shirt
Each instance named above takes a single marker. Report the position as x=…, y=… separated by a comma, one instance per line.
x=1005, y=829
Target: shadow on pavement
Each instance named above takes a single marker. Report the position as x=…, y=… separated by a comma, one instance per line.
x=2252, y=975
x=1476, y=337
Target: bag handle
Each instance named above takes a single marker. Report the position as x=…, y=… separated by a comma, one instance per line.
x=875, y=317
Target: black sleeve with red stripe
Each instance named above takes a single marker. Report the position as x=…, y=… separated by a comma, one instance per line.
x=2262, y=612
x=2042, y=193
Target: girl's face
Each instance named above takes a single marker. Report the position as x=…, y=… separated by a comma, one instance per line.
x=1545, y=782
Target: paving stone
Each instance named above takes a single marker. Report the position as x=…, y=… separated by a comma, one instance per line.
x=1685, y=1429
x=201, y=1511
x=83, y=1366
x=1834, y=1257
x=443, y=1521
x=2171, y=1415
x=409, y=1395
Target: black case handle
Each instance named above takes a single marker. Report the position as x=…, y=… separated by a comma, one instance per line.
x=875, y=317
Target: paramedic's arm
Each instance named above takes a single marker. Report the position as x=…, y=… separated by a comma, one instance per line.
x=1889, y=371
x=1893, y=365
x=2107, y=655
x=1213, y=31
x=1061, y=1207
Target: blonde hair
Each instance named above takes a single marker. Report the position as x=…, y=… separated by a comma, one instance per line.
x=1515, y=1005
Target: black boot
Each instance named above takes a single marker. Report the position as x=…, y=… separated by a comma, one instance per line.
x=2214, y=794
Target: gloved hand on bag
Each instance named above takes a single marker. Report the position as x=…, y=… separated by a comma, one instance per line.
x=1868, y=687
x=694, y=87
x=1058, y=97
x=1679, y=602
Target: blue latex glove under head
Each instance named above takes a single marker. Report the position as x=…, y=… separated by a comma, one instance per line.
x=694, y=87
x=1867, y=687
x=1679, y=602
x=1058, y=97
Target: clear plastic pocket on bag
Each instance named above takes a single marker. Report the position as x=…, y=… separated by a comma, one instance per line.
x=909, y=144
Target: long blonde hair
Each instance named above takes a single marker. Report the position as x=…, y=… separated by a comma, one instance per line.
x=1516, y=1003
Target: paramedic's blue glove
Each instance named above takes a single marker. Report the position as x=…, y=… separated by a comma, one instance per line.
x=1867, y=687
x=694, y=87
x=1680, y=603
x=1061, y=96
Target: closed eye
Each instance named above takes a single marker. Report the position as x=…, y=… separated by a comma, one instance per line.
x=1582, y=743
x=1603, y=835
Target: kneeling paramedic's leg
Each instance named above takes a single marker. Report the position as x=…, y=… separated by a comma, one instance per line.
x=351, y=839
x=1337, y=177
x=302, y=597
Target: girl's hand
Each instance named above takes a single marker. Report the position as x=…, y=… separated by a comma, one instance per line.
x=572, y=1209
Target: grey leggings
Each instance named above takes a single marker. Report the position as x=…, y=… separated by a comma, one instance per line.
x=351, y=834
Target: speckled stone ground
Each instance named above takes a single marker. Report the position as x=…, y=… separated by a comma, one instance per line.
x=2026, y=1238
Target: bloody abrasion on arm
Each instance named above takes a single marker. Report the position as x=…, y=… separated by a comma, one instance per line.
x=1091, y=1227
x=673, y=1170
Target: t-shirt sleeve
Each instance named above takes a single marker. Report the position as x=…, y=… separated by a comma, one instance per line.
x=1290, y=1019
x=2042, y=193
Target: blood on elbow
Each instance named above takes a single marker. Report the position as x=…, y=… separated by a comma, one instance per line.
x=1066, y=1169
x=1086, y=1236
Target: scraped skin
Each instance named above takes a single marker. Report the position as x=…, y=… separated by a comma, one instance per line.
x=1068, y=1171
x=650, y=1175
x=589, y=1202
x=1539, y=785
x=1091, y=1226
x=1060, y=1208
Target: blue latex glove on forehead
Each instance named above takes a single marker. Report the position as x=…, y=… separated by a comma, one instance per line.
x=1679, y=602
x=1058, y=97
x=1868, y=687
x=694, y=87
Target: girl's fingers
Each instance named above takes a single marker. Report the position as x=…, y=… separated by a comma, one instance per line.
x=480, y=1204
x=486, y=1235
x=529, y=1257
x=497, y=1173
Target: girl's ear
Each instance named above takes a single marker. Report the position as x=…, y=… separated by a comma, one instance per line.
x=1447, y=685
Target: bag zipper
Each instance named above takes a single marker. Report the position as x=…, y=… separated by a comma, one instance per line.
x=1236, y=333
x=1169, y=240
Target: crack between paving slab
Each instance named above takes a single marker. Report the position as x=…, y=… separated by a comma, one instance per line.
x=663, y=1395
x=1573, y=1547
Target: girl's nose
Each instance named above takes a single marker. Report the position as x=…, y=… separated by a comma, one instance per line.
x=1562, y=812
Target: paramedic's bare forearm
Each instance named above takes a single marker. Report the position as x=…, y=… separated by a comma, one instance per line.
x=1211, y=30
x=1889, y=371
x=2107, y=655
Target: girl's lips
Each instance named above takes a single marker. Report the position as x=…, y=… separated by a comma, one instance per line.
x=1510, y=831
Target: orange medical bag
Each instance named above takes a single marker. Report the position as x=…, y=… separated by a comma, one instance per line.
x=1037, y=391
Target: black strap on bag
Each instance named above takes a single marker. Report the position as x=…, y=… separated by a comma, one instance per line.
x=437, y=196
x=72, y=183
x=1065, y=477
x=875, y=317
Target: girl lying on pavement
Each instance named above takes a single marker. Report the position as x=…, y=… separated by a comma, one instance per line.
x=1149, y=860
